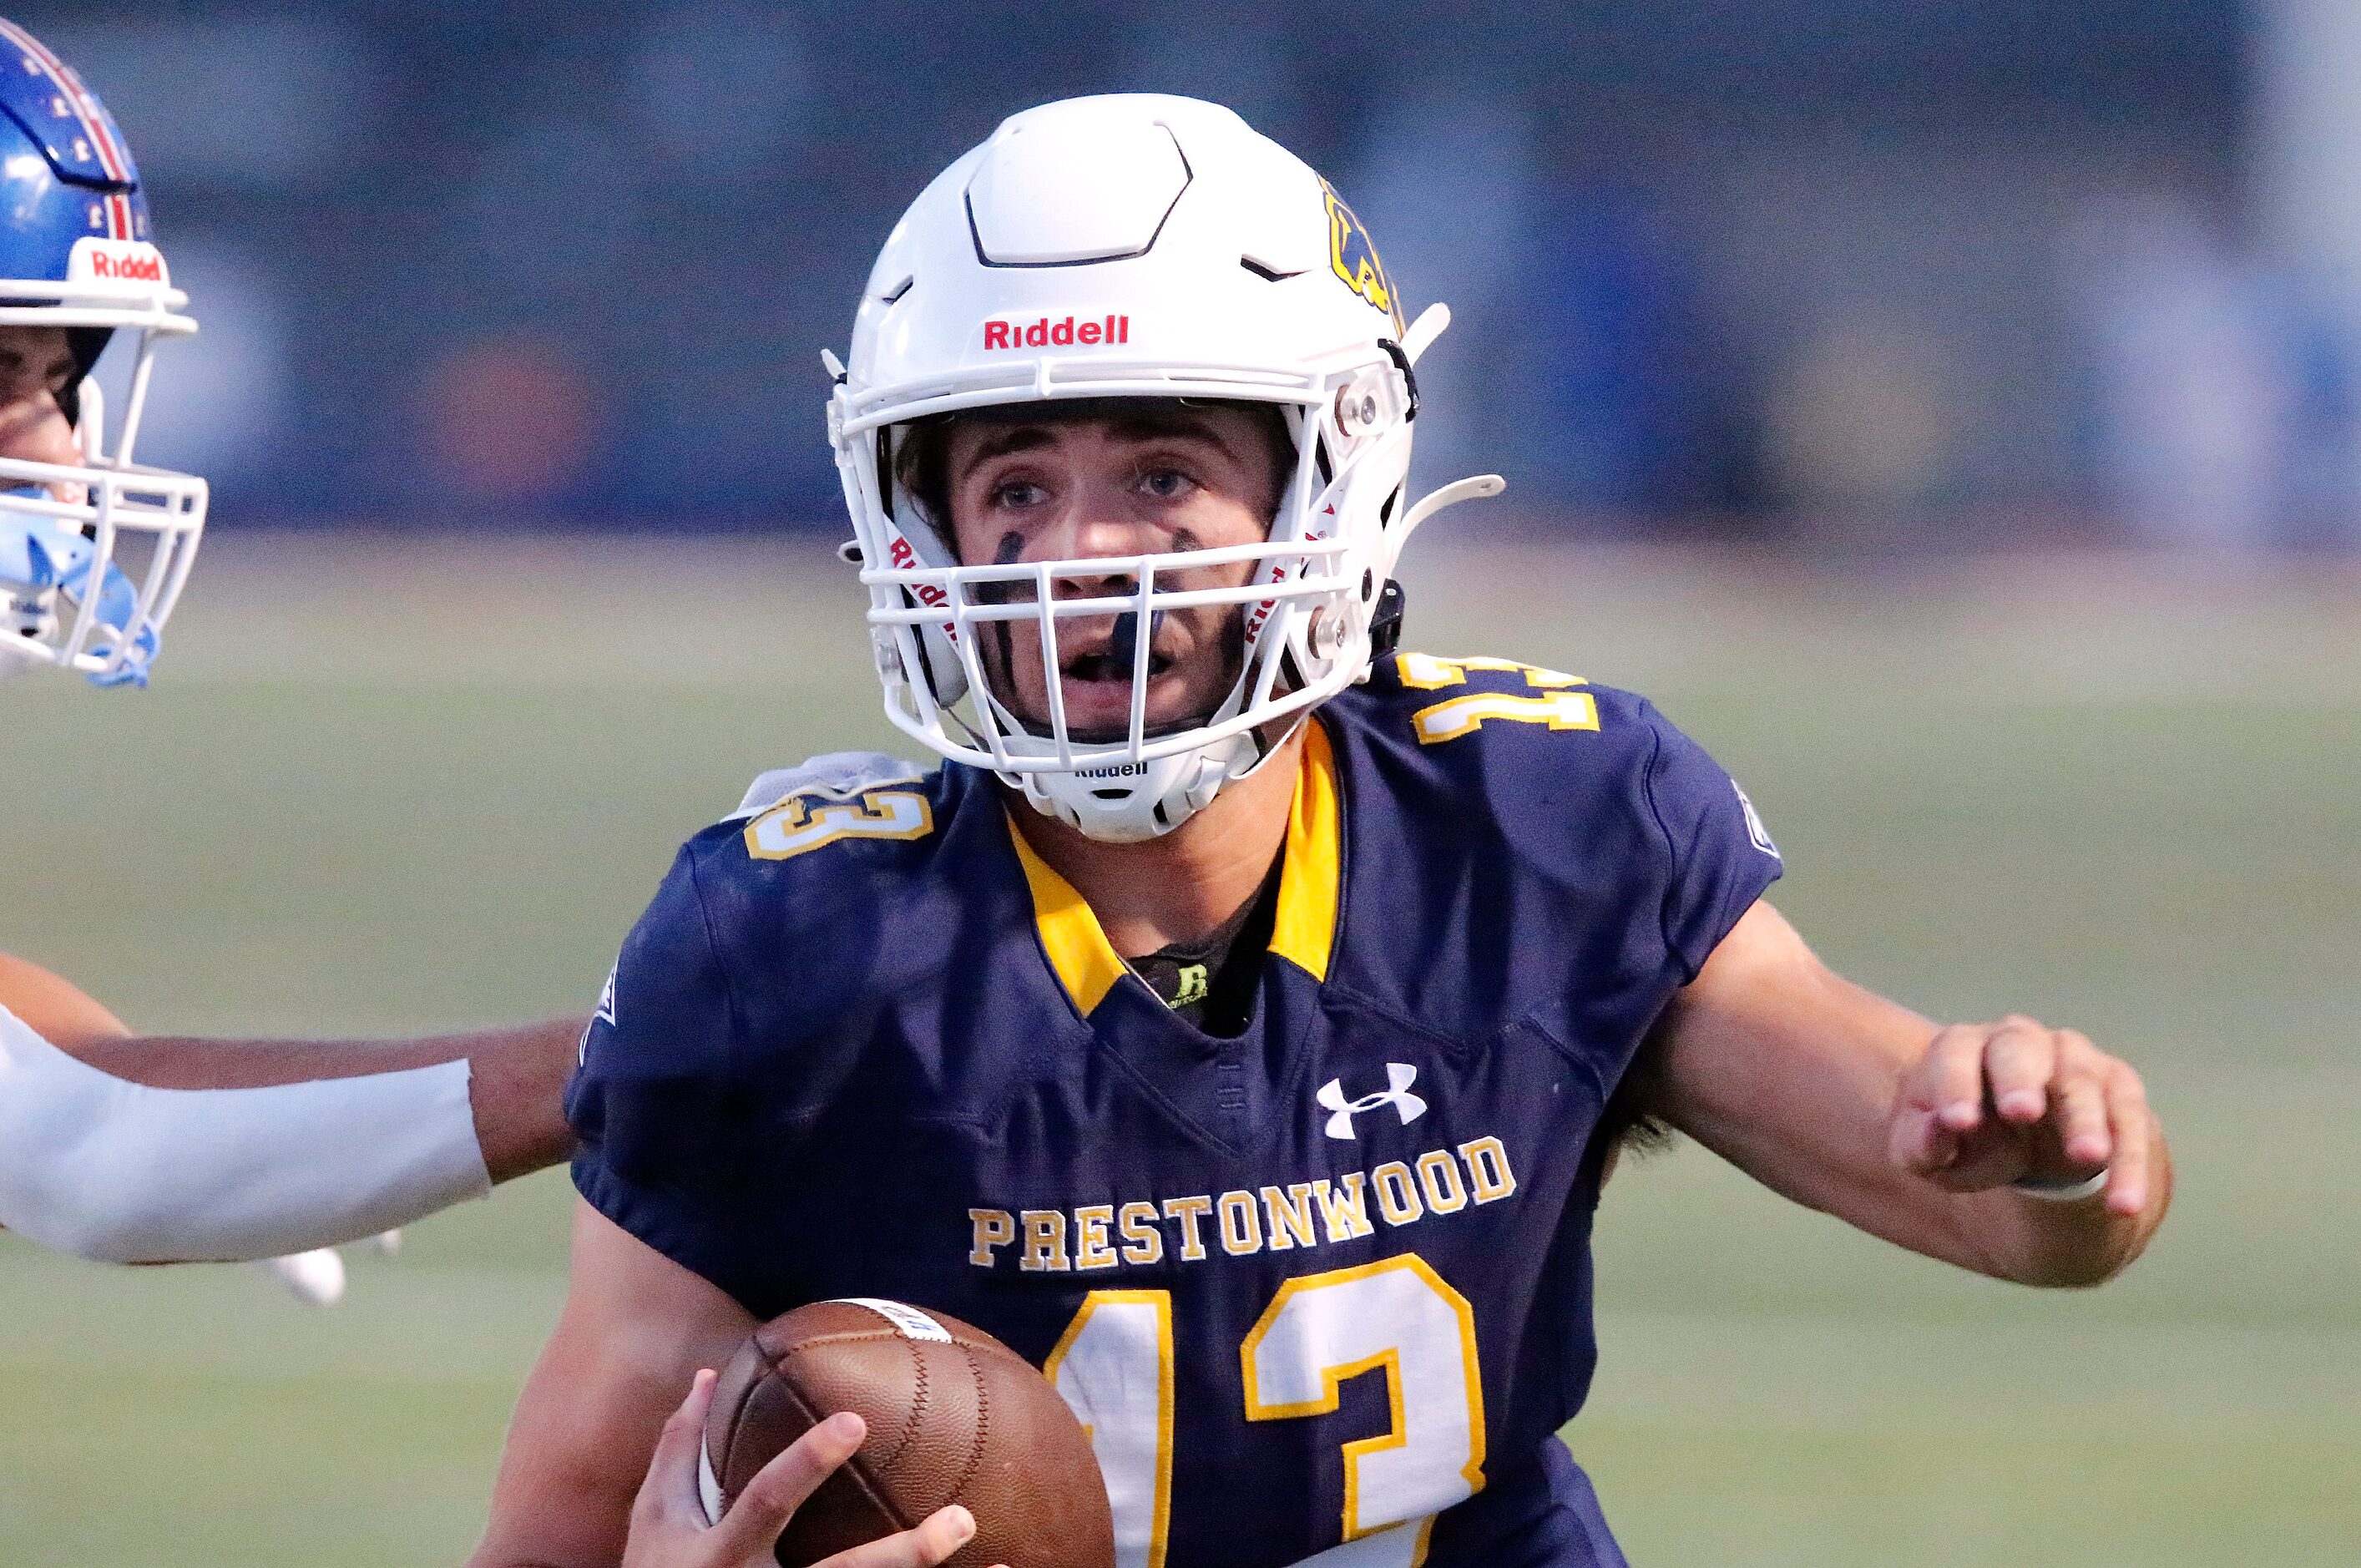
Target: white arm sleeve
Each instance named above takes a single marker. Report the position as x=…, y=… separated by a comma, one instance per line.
x=122, y=1173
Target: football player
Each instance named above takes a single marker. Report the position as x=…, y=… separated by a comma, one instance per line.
x=94, y=1164
x=77, y=264
x=1242, y=1022
x=1239, y=1022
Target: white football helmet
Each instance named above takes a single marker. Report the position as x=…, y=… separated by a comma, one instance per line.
x=1120, y=247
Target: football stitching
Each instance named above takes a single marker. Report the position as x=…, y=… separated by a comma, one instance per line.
x=855, y=1466
x=983, y=1421
x=862, y=1466
x=881, y=1462
x=919, y=1401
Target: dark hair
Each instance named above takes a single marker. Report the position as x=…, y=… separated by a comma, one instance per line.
x=922, y=450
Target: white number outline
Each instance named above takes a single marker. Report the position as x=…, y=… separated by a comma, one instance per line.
x=1424, y=672
x=1466, y=715
x=797, y=826
x=1558, y=707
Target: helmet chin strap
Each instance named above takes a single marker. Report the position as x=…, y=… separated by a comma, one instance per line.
x=1168, y=791
x=1163, y=794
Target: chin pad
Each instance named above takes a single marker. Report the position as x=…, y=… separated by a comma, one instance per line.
x=38, y=559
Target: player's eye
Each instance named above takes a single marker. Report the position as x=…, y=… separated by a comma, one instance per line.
x=1016, y=493
x=1166, y=484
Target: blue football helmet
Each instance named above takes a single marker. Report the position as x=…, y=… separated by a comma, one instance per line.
x=94, y=548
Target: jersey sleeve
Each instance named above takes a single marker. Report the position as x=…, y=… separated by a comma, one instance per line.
x=1722, y=859
x=652, y=1102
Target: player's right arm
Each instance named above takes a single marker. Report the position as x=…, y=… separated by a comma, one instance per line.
x=661, y=1169
x=601, y=1463
x=668, y=1527
x=636, y=1330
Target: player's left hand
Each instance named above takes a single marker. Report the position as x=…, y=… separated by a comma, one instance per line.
x=1993, y=1104
x=668, y=1528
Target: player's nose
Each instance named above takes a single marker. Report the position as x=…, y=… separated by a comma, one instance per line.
x=1098, y=524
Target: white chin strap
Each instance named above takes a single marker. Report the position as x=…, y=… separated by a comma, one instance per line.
x=1126, y=802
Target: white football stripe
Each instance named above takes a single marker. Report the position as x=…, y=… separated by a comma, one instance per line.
x=709, y=1485
x=907, y=1321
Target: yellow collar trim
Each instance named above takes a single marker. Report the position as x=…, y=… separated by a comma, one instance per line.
x=1304, y=931
x=1087, y=964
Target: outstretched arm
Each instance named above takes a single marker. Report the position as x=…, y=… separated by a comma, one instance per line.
x=131, y=1150
x=516, y=1080
x=516, y=1077
x=1853, y=1104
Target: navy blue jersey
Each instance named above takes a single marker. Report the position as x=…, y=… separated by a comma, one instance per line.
x=1320, y=1291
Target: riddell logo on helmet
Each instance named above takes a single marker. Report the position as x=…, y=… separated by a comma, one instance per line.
x=131, y=268
x=1065, y=332
x=1318, y=529
x=116, y=261
x=905, y=559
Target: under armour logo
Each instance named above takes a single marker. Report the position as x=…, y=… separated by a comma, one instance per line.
x=1399, y=1076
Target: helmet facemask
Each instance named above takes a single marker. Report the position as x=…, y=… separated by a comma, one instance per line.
x=94, y=554
x=980, y=654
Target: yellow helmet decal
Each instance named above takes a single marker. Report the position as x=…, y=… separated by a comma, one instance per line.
x=1355, y=256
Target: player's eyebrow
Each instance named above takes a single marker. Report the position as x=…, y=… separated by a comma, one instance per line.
x=1016, y=438
x=1171, y=426
x=1126, y=427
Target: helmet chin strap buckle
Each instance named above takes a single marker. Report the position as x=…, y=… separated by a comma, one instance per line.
x=1386, y=623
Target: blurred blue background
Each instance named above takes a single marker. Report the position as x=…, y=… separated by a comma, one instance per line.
x=1949, y=272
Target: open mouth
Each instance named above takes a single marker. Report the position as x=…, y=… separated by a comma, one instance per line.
x=1107, y=666
x=1113, y=660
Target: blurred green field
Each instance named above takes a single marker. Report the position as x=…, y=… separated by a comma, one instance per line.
x=414, y=784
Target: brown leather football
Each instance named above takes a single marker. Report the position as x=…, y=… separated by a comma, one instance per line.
x=954, y=1417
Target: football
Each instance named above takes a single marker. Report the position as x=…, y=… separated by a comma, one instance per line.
x=954, y=1417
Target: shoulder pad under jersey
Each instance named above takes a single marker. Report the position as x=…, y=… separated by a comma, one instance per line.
x=840, y=775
